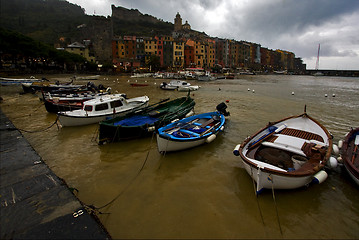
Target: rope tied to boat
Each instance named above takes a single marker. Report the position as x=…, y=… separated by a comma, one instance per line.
x=42, y=130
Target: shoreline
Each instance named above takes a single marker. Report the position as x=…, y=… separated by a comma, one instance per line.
x=35, y=203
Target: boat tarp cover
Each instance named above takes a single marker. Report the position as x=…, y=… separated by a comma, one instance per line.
x=137, y=120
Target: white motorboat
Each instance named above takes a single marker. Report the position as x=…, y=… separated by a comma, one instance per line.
x=287, y=154
x=102, y=108
x=174, y=84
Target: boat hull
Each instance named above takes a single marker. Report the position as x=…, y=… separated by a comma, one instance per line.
x=268, y=180
x=71, y=120
x=350, y=154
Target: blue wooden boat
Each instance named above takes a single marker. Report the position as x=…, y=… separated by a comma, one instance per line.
x=192, y=131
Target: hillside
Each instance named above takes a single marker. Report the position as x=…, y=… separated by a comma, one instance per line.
x=45, y=21
x=133, y=22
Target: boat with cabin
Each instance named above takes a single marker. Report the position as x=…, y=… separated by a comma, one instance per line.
x=101, y=108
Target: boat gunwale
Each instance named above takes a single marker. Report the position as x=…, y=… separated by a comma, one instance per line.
x=308, y=172
x=346, y=158
x=200, y=137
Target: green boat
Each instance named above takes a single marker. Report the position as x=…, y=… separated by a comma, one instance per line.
x=145, y=121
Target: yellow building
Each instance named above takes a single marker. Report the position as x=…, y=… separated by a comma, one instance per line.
x=210, y=56
x=80, y=49
x=178, y=54
x=150, y=47
x=199, y=54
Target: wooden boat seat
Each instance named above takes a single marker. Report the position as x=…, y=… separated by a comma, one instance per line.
x=301, y=134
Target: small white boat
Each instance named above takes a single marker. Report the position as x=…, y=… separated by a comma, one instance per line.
x=18, y=81
x=102, y=108
x=174, y=84
x=191, y=131
x=287, y=154
x=188, y=88
x=206, y=77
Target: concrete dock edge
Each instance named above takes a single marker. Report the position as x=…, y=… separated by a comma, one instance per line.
x=35, y=203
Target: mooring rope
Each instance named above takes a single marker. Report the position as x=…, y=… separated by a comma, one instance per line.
x=41, y=130
x=259, y=208
x=276, y=209
x=130, y=183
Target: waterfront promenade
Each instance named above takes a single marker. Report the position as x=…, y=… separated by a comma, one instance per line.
x=35, y=203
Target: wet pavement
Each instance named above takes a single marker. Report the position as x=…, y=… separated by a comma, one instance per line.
x=35, y=203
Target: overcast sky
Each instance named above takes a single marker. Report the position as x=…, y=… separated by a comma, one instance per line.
x=294, y=25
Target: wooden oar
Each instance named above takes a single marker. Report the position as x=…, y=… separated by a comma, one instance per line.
x=176, y=127
x=259, y=141
x=209, y=129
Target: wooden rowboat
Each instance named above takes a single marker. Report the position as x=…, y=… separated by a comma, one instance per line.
x=190, y=132
x=350, y=154
x=287, y=154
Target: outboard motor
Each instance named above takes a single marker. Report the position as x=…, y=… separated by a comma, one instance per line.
x=222, y=109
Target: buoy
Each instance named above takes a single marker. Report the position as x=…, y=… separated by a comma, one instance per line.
x=211, y=138
x=151, y=129
x=320, y=177
x=340, y=144
x=189, y=114
x=292, y=93
x=335, y=149
x=340, y=159
x=253, y=91
x=333, y=94
x=236, y=150
x=248, y=89
x=333, y=163
x=326, y=95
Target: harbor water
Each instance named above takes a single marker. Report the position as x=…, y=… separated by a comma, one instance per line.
x=203, y=192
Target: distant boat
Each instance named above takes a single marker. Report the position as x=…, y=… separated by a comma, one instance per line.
x=206, y=77
x=174, y=84
x=94, y=77
x=280, y=72
x=18, y=81
x=318, y=73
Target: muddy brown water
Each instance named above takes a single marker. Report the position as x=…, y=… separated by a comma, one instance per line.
x=203, y=192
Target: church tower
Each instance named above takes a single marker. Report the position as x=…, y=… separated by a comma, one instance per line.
x=178, y=22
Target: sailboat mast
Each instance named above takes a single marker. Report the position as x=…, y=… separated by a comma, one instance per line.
x=317, y=63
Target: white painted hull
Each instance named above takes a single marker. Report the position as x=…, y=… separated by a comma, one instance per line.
x=78, y=118
x=70, y=121
x=167, y=145
x=266, y=180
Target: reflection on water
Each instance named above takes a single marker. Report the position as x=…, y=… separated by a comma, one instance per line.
x=203, y=192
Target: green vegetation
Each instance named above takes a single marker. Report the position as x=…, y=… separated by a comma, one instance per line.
x=43, y=20
x=15, y=46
